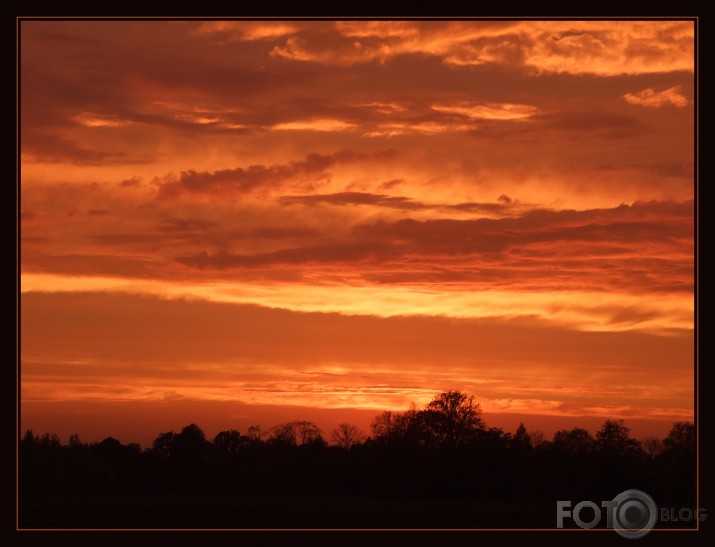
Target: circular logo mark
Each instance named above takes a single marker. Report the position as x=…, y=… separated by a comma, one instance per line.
x=635, y=514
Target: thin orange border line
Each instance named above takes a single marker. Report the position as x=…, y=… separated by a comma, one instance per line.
x=695, y=19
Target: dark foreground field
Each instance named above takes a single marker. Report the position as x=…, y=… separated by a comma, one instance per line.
x=184, y=511
x=206, y=512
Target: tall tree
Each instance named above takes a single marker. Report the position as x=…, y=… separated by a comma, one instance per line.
x=614, y=439
x=190, y=445
x=452, y=419
x=681, y=439
x=522, y=439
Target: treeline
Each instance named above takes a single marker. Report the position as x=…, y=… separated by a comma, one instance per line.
x=444, y=451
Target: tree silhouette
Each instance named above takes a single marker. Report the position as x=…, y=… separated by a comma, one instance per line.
x=522, y=439
x=163, y=444
x=677, y=462
x=230, y=442
x=614, y=439
x=538, y=439
x=681, y=439
x=50, y=439
x=574, y=442
x=442, y=452
x=296, y=433
x=190, y=446
x=29, y=438
x=652, y=447
x=383, y=425
x=452, y=419
x=255, y=433
x=74, y=440
x=347, y=435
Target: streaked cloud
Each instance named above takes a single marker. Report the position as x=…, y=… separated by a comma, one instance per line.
x=315, y=125
x=93, y=120
x=307, y=173
x=494, y=111
x=578, y=310
x=246, y=30
x=657, y=99
x=605, y=48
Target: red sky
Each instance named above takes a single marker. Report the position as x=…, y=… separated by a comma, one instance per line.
x=239, y=223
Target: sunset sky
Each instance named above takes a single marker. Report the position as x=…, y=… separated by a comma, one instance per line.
x=251, y=222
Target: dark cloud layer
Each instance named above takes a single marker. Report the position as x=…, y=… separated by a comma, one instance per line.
x=310, y=172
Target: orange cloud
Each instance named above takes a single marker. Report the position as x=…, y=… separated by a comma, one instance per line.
x=672, y=96
x=587, y=310
x=423, y=128
x=246, y=30
x=315, y=125
x=94, y=120
x=605, y=48
x=492, y=111
x=308, y=173
x=377, y=29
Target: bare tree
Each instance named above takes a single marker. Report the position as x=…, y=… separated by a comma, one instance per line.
x=652, y=446
x=384, y=424
x=681, y=438
x=347, y=435
x=255, y=433
x=537, y=438
x=296, y=433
